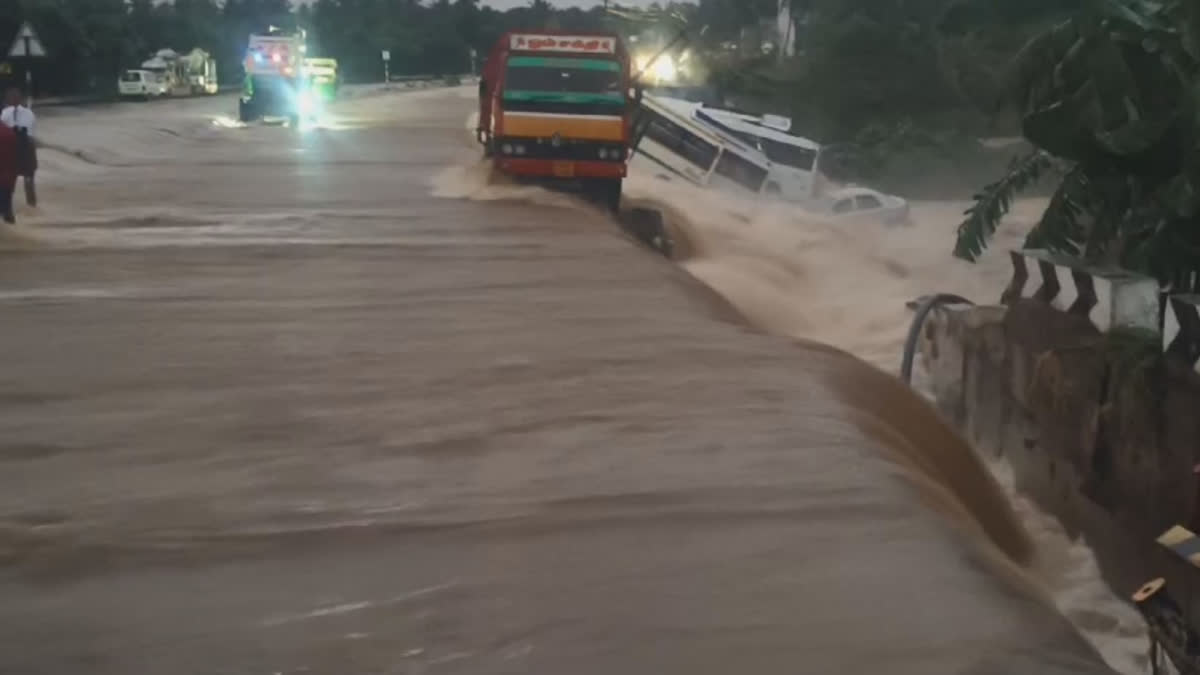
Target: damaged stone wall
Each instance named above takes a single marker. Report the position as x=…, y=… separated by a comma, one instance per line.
x=1101, y=428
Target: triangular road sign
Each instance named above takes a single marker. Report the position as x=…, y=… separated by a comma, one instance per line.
x=27, y=43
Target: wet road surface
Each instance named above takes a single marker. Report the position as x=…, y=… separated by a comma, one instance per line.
x=267, y=406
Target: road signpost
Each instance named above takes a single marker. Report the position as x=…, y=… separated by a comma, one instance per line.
x=27, y=47
x=387, y=58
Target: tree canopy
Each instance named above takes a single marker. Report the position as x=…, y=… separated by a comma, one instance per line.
x=1108, y=98
x=90, y=41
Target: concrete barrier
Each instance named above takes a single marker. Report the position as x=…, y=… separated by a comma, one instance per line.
x=1100, y=428
x=1107, y=297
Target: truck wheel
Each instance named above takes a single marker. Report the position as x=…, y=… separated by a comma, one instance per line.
x=609, y=191
x=244, y=112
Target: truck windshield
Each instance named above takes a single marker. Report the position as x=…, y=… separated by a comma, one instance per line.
x=131, y=76
x=550, y=76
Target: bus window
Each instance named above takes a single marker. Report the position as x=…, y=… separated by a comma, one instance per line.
x=741, y=171
x=789, y=155
x=675, y=138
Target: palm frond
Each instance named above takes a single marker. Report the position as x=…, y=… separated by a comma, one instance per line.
x=993, y=203
x=1058, y=229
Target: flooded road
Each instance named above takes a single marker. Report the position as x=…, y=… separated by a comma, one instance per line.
x=270, y=406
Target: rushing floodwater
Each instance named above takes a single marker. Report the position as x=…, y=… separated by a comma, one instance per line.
x=268, y=406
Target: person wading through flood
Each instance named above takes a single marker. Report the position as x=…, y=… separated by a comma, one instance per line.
x=8, y=172
x=17, y=115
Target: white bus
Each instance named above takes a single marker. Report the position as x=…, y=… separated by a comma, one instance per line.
x=794, y=159
x=667, y=137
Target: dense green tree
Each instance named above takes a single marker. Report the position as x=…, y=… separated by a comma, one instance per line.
x=1108, y=99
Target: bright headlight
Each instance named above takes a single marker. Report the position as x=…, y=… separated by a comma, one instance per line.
x=664, y=69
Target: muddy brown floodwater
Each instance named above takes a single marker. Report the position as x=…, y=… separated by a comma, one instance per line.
x=269, y=406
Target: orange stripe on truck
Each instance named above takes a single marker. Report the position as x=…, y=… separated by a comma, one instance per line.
x=534, y=125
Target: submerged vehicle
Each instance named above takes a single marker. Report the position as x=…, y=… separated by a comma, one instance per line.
x=558, y=107
x=856, y=204
x=669, y=141
x=323, y=77
x=275, y=86
x=794, y=159
x=754, y=157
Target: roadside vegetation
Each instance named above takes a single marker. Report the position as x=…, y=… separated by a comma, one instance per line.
x=1108, y=97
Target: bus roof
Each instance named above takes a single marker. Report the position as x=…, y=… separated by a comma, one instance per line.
x=689, y=111
x=751, y=125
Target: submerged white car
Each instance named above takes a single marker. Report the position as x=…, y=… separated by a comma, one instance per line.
x=863, y=205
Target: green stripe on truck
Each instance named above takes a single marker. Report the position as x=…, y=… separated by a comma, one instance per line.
x=562, y=97
x=549, y=62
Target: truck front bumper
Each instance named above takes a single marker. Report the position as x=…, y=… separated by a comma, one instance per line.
x=561, y=168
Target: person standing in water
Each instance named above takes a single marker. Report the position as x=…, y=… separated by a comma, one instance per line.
x=8, y=173
x=18, y=116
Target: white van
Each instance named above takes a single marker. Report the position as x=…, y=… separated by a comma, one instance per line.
x=138, y=83
x=668, y=139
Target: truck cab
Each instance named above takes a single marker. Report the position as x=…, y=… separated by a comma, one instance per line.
x=557, y=106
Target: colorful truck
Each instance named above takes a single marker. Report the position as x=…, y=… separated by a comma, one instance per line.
x=275, y=85
x=558, y=107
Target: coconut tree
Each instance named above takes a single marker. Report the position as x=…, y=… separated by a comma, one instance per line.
x=1109, y=99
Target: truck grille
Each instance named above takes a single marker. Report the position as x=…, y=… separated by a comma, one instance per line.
x=568, y=149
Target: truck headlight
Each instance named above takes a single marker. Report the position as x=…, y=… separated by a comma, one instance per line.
x=507, y=148
x=519, y=148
